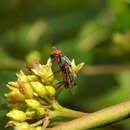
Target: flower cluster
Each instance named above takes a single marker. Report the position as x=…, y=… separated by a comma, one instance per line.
x=32, y=96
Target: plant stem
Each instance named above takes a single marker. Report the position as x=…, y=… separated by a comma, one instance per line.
x=97, y=119
x=37, y=123
x=60, y=111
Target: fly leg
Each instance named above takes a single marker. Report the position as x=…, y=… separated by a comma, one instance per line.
x=59, y=84
x=59, y=87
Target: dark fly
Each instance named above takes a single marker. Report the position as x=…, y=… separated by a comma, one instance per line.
x=69, y=76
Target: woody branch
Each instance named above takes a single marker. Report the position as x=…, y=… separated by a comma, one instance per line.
x=97, y=119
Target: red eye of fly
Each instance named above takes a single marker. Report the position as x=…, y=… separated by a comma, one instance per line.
x=57, y=52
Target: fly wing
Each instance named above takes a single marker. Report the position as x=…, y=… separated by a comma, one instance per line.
x=68, y=74
x=71, y=79
x=65, y=59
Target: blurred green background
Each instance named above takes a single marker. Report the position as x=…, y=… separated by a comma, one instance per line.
x=96, y=32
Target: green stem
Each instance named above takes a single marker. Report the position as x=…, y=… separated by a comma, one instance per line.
x=97, y=119
x=60, y=111
x=37, y=123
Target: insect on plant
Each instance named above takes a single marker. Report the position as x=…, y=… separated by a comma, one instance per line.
x=69, y=76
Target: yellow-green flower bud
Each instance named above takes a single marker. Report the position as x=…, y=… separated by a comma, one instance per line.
x=33, y=104
x=15, y=84
x=17, y=115
x=32, y=78
x=12, y=88
x=22, y=77
x=22, y=126
x=51, y=90
x=26, y=78
x=15, y=96
x=39, y=89
x=40, y=111
x=26, y=89
x=30, y=113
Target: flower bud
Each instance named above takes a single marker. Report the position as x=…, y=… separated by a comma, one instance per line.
x=25, y=88
x=40, y=112
x=15, y=84
x=15, y=96
x=12, y=88
x=30, y=114
x=39, y=89
x=22, y=126
x=51, y=90
x=22, y=77
x=26, y=78
x=32, y=78
x=17, y=115
x=33, y=104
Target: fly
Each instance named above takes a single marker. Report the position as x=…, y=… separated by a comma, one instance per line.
x=69, y=76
